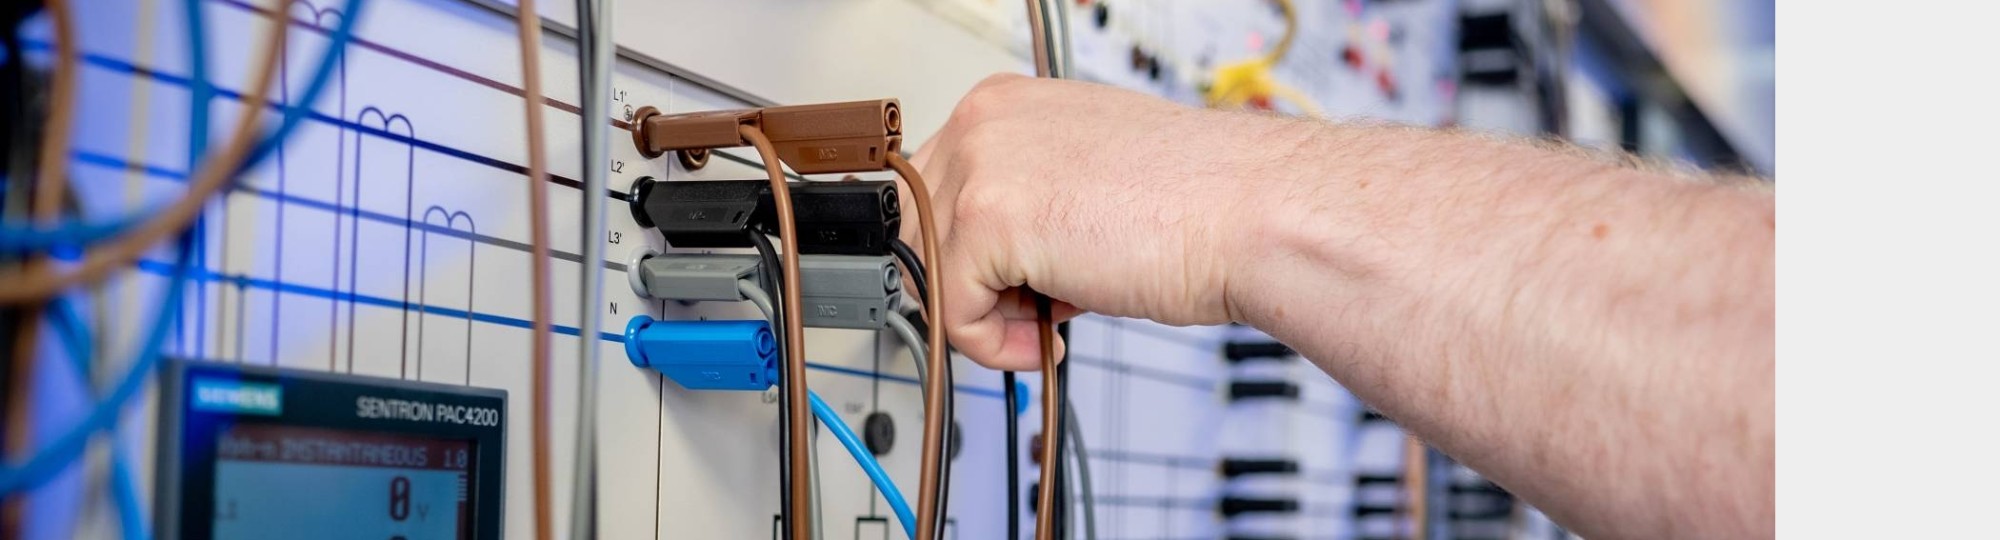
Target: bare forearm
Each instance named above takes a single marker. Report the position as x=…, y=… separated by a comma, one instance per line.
x=1595, y=338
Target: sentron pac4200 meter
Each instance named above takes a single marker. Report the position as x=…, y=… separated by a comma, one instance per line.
x=256, y=452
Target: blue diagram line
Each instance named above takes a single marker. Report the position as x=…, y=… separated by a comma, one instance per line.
x=101, y=160
x=163, y=269
x=127, y=68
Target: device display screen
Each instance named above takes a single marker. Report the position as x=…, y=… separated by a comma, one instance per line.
x=309, y=483
x=253, y=452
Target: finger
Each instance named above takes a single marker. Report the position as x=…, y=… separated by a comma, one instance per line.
x=979, y=300
x=1021, y=349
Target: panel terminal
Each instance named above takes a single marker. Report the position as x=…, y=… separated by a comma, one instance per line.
x=705, y=355
x=854, y=136
x=841, y=218
x=838, y=291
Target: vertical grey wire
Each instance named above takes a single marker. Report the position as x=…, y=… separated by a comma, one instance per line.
x=1082, y=470
x=1052, y=24
x=595, y=48
x=919, y=349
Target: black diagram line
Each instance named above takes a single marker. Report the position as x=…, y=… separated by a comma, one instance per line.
x=319, y=19
x=389, y=122
x=423, y=287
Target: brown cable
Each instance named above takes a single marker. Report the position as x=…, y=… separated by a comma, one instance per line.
x=1046, y=65
x=41, y=282
x=934, y=392
x=1045, y=523
x=46, y=207
x=49, y=177
x=529, y=22
x=794, y=374
x=1416, y=485
x=928, y=486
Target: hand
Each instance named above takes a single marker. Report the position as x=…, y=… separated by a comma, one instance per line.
x=1105, y=200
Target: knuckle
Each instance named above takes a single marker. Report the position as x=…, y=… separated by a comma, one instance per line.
x=977, y=204
x=988, y=99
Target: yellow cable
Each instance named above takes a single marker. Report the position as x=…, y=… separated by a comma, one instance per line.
x=1236, y=85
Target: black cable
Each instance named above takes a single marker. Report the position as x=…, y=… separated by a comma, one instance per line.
x=950, y=427
x=771, y=278
x=912, y=265
x=1054, y=435
x=1013, y=456
x=1062, y=506
x=18, y=135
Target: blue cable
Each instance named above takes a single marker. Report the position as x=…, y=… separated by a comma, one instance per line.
x=21, y=238
x=867, y=461
x=51, y=460
x=46, y=463
x=200, y=91
x=125, y=491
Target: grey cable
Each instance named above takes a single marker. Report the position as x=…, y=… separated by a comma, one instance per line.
x=756, y=294
x=1050, y=20
x=1081, y=471
x=595, y=46
x=919, y=349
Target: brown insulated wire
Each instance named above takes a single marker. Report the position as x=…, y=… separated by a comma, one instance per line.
x=49, y=177
x=40, y=282
x=928, y=486
x=529, y=22
x=799, y=455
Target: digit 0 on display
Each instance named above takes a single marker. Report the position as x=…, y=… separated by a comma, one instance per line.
x=256, y=452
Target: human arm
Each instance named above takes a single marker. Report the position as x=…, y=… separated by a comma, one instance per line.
x=1596, y=338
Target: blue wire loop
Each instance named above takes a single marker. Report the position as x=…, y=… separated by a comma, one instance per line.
x=68, y=447
x=17, y=238
x=125, y=488
x=867, y=461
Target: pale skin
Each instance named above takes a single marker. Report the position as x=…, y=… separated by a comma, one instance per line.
x=1595, y=337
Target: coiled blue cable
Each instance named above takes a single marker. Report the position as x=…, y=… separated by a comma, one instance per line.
x=79, y=233
x=125, y=489
x=867, y=461
x=68, y=447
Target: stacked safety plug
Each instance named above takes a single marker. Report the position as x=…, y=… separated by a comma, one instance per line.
x=834, y=264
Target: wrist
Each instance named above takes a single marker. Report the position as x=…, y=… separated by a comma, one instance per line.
x=1301, y=221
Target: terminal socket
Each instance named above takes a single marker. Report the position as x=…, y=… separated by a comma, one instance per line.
x=840, y=218
x=699, y=214
x=1242, y=390
x=1234, y=506
x=1234, y=467
x=854, y=136
x=849, y=291
x=837, y=291
x=705, y=355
